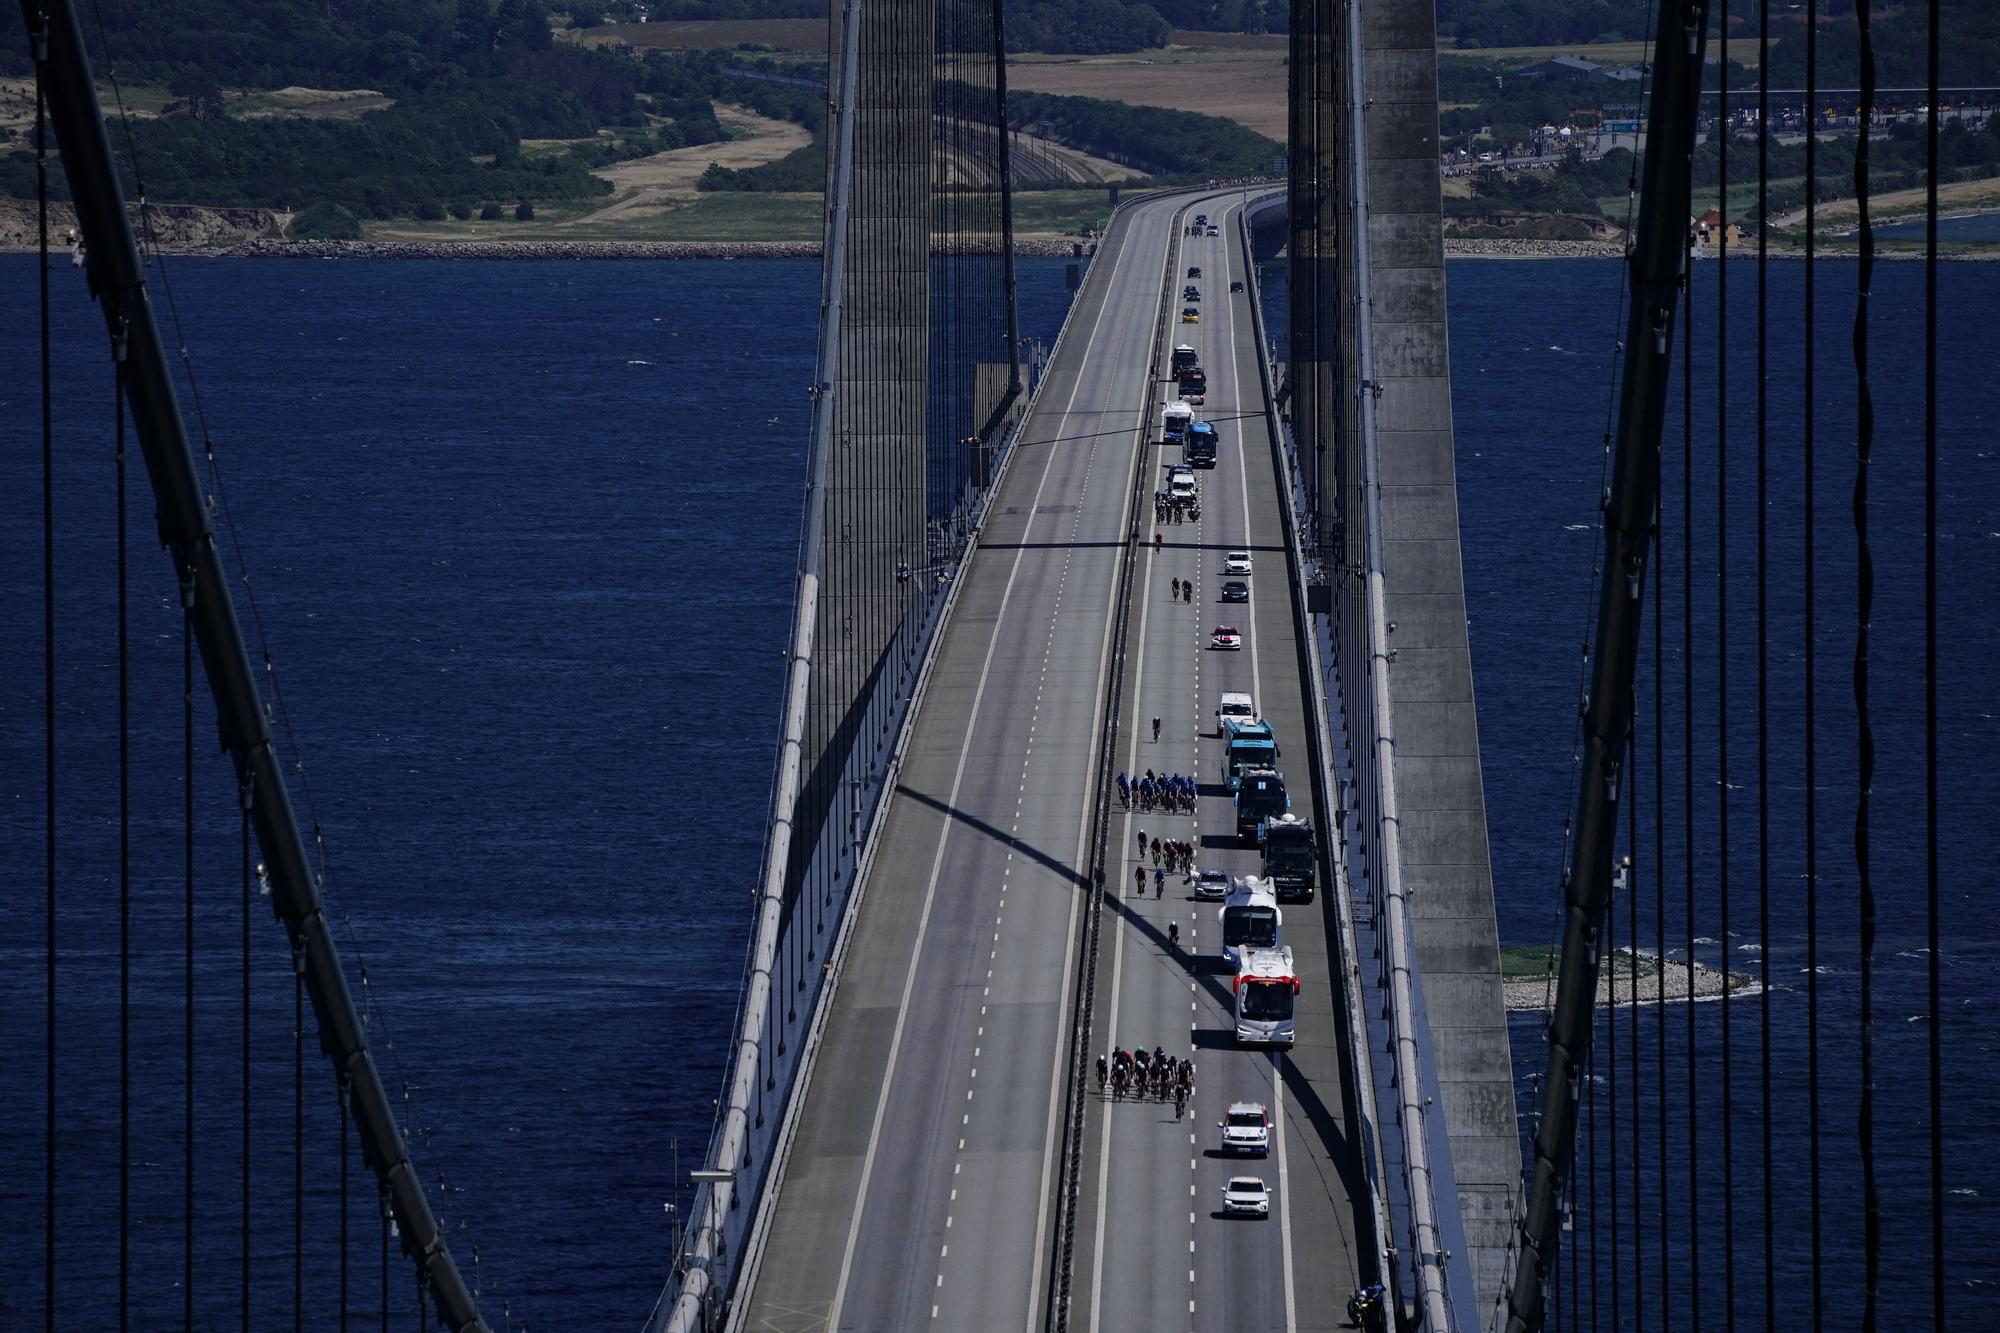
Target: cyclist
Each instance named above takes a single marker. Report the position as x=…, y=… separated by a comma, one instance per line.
x=1174, y=934
x=1159, y=882
x=1177, y=591
x=1124, y=791
x=1158, y=541
x=1103, y=1072
x=1139, y=873
x=1156, y=730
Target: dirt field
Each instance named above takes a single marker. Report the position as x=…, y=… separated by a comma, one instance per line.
x=1611, y=54
x=314, y=103
x=664, y=180
x=1952, y=195
x=803, y=35
x=1244, y=83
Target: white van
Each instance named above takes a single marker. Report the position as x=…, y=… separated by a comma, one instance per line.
x=1176, y=418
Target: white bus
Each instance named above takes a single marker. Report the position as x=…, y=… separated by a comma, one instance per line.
x=1174, y=420
x=1249, y=918
x=1266, y=994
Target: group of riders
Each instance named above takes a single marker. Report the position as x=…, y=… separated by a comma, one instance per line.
x=1171, y=792
x=1139, y=1073
x=1175, y=509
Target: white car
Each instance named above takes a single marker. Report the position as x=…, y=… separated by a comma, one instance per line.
x=1225, y=636
x=1246, y=1196
x=1182, y=488
x=1246, y=1128
x=1235, y=707
x=1236, y=562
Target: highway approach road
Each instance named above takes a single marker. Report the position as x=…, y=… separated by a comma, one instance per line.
x=921, y=1183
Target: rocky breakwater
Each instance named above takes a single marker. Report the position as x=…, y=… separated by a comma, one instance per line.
x=174, y=228
x=1627, y=977
x=271, y=247
x=1523, y=248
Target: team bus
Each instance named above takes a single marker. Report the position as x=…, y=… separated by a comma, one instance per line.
x=1198, y=449
x=1174, y=420
x=1249, y=918
x=1246, y=743
x=1266, y=997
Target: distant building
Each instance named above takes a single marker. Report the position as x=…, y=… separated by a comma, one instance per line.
x=1562, y=69
x=1710, y=231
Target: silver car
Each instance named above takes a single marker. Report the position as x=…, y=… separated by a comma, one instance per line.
x=1211, y=886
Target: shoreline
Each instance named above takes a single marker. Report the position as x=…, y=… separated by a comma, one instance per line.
x=1639, y=978
x=267, y=247
x=1025, y=247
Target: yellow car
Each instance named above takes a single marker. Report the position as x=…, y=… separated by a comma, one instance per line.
x=1189, y=315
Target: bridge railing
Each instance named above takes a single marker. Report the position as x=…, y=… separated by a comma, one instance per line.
x=1330, y=816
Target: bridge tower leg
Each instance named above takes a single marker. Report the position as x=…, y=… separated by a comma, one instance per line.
x=1369, y=375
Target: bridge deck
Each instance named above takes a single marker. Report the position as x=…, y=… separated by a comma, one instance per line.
x=1154, y=1185
x=920, y=1183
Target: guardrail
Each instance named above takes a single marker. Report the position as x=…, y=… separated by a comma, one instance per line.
x=1326, y=785
x=1381, y=831
x=706, y=1274
x=1084, y=1002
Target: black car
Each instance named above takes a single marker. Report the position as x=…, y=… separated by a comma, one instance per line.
x=1190, y=293
x=1235, y=286
x=1194, y=270
x=1235, y=590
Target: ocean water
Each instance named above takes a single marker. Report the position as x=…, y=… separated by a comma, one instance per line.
x=1532, y=346
x=521, y=541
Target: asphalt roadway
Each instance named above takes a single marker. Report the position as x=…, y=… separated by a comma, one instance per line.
x=1158, y=1253
x=920, y=1187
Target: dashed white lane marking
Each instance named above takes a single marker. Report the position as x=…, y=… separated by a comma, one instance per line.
x=937, y=865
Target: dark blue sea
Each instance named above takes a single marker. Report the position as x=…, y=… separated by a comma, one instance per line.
x=520, y=540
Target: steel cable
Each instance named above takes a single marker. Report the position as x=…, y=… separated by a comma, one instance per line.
x=1687, y=785
x=1808, y=519
x=1864, y=604
x=1722, y=682
x=299, y=1143
x=243, y=1252
x=187, y=953
x=48, y=693
x=1932, y=932
x=124, y=871
x=1764, y=662
x=1660, y=901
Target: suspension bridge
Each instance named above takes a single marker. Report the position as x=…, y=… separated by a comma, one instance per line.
x=1002, y=618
